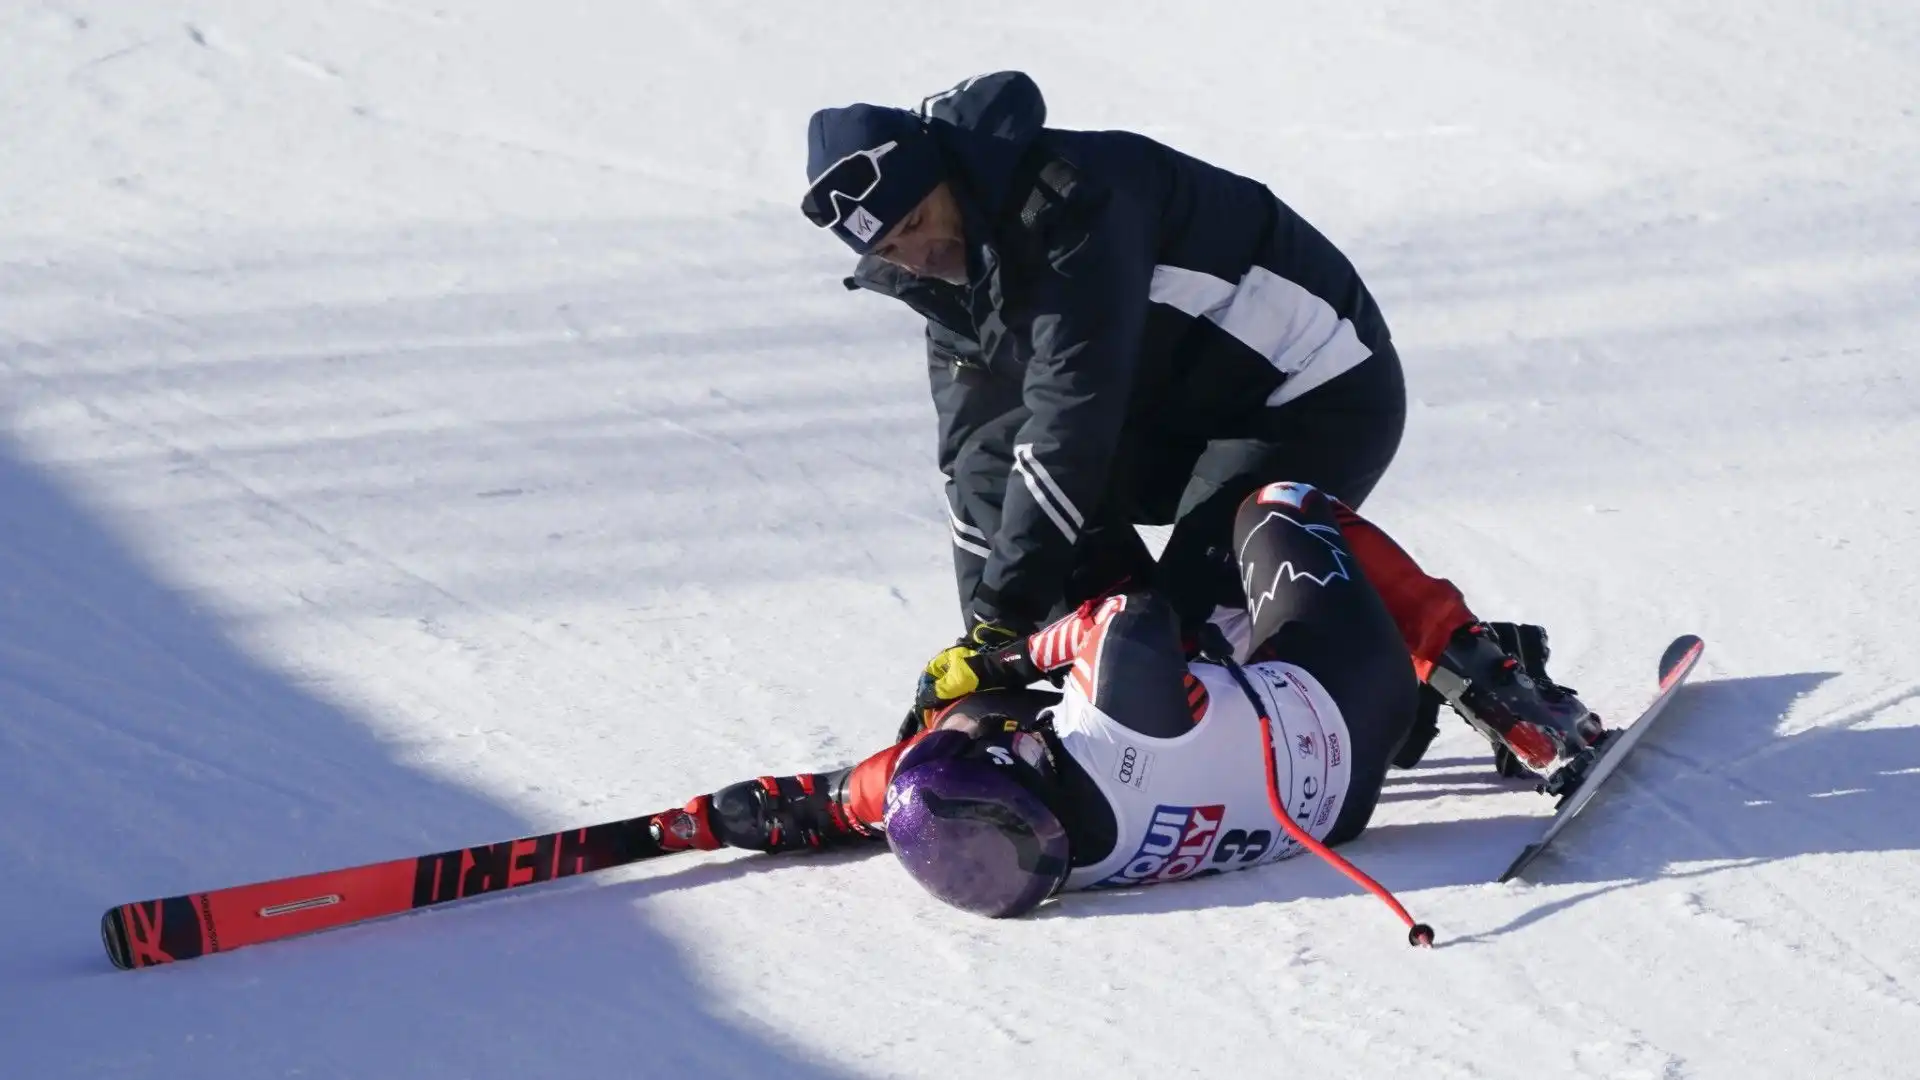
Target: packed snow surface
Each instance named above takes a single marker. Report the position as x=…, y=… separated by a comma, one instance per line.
x=427, y=423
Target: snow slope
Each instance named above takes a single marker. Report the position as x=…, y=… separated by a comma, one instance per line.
x=426, y=424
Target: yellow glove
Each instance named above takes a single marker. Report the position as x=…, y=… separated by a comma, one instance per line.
x=990, y=658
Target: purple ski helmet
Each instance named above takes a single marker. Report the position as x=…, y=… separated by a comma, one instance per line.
x=965, y=818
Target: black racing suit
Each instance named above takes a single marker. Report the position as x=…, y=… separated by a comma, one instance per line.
x=1329, y=592
x=1340, y=630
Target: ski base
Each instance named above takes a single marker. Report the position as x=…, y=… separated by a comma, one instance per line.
x=1676, y=663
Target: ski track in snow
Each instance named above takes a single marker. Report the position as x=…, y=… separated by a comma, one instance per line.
x=427, y=424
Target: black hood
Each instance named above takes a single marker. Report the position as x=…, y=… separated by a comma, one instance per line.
x=985, y=126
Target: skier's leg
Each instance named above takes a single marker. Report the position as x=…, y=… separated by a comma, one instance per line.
x=1340, y=438
x=1312, y=606
x=768, y=813
x=1492, y=674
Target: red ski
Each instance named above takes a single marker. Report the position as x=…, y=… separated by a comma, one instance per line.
x=182, y=927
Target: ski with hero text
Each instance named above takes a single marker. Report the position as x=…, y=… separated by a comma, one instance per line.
x=151, y=932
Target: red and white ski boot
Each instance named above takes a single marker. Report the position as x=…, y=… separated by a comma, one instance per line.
x=1494, y=676
x=767, y=813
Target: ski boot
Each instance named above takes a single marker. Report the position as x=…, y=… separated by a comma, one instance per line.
x=1494, y=676
x=787, y=813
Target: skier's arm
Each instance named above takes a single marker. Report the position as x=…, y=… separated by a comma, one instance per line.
x=866, y=789
x=1426, y=609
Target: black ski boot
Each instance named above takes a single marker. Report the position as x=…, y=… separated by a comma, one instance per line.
x=1494, y=676
x=786, y=813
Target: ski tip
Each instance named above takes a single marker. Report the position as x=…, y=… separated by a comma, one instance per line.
x=1684, y=648
x=113, y=934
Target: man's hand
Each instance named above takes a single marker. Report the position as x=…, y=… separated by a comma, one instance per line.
x=992, y=657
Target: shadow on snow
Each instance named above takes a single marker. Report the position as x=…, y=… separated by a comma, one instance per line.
x=143, y=753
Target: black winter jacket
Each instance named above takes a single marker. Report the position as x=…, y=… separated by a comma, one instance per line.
x=1122, y=296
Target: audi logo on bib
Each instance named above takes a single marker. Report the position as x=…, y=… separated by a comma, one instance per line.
x=1134, y=766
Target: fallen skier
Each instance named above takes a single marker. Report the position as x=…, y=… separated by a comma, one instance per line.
x=1156, y=761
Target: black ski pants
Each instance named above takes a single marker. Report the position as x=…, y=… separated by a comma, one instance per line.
x=1340, y=438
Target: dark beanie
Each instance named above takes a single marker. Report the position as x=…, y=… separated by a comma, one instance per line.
x=908, y=172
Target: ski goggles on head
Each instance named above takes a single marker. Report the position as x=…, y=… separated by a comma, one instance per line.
x=844, y=184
